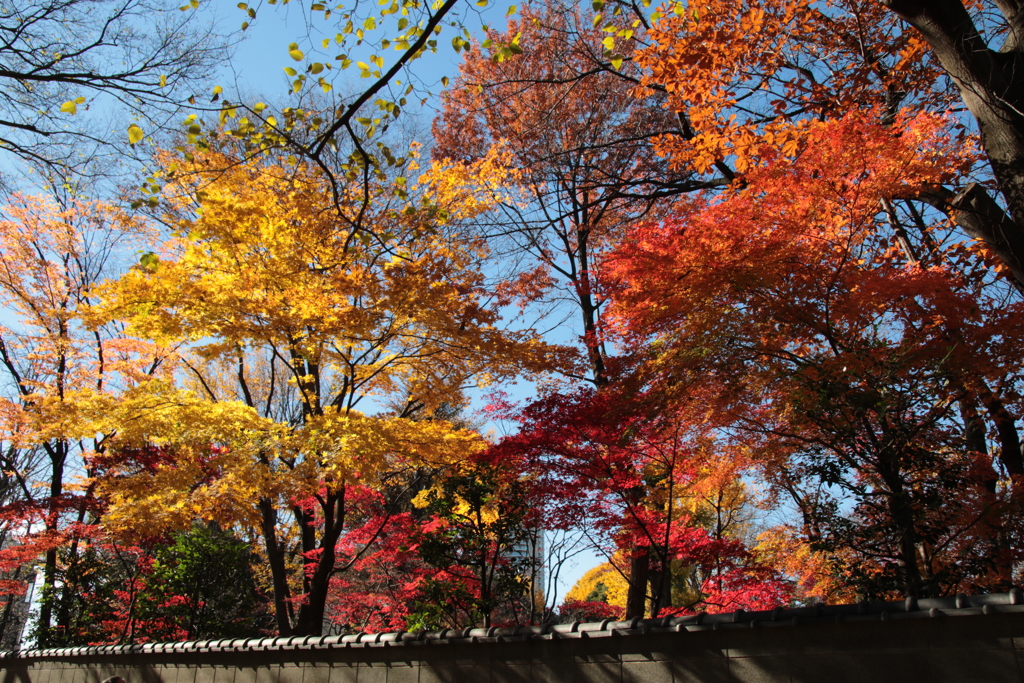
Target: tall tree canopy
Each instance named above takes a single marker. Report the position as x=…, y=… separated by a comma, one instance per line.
x=789, y=258
x=292, y=320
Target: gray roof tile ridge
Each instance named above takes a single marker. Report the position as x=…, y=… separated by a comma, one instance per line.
x=909, y=608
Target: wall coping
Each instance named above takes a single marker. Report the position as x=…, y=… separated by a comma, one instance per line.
x=911, y=608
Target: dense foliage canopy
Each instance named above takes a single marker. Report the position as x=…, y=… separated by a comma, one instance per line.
x=758, y=265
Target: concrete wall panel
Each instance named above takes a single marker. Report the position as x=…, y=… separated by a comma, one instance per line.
x=700, y=670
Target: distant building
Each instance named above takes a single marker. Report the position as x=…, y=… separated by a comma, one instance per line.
x=528, y=554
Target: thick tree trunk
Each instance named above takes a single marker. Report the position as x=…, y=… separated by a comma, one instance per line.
x=901, y=512
x=310, y=621
x=278, y=571
x=974, y=428
x=661, y=582
x=991, y=84
x=639, y=574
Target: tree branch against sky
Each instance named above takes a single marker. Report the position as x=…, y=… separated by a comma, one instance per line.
x=990, y=79
x=68, y=65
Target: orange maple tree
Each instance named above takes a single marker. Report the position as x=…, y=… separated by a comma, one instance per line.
x=63, y=375
x=580, y=141
x=846, y=367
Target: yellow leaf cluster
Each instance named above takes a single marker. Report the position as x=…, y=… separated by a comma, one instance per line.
x=262, y=258
x=470, y=189
x=221, y=458
x=615, y=586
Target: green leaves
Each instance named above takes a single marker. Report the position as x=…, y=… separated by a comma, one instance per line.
x=508, y=50
x=149, y=262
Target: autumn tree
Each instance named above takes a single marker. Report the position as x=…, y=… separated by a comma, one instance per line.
x=581, y=135
x=381, y=584
x=446, y=546
x=738, y=85
x=293, y=320
x=645, y=481
x=756, y=74
x=841, y=363
x=59, y=373
x=581, y=141
x=599, y=594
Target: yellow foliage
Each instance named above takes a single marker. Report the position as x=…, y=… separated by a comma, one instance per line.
x=469, y=189
x=615, y=586
x=289, y=300
x=392, y=304
x=221, y=458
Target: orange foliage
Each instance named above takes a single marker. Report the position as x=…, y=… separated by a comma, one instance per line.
x=834, y=359
x=755, y=73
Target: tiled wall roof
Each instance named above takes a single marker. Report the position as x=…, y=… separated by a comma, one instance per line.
x=961, y=605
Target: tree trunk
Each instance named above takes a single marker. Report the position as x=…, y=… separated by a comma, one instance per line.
x=58, y=456
x=991, y=84
x=661, y=582
x=318, y=583
x=278, y=571
x=639, y=574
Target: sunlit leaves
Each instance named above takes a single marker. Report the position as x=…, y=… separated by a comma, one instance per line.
x=710, y=55
x=135, y=134
x=829, y=351
x=71, y=107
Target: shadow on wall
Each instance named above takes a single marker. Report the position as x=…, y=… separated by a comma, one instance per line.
x=943, y=640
